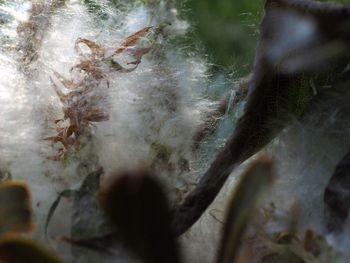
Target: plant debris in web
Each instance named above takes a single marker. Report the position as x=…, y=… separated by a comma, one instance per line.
x=82, y=95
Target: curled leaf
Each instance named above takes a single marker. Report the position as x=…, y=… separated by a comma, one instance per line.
x=96, y=49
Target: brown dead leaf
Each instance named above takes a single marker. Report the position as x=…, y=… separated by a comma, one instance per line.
x=132, y=39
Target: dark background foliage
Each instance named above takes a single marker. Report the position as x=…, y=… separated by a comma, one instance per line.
x=228, y=30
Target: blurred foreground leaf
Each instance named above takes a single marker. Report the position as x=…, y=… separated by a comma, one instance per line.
x=19, y=250
x=15, y=207
x=254, y=182
x=137, y=205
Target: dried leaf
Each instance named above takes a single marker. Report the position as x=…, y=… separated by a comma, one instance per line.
x=90, y=67
x=96, y=49
x=67, y=83
x=79, y=103
x=138, y=54
x=133, y=39
x=63, y=97
x=96, y=116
